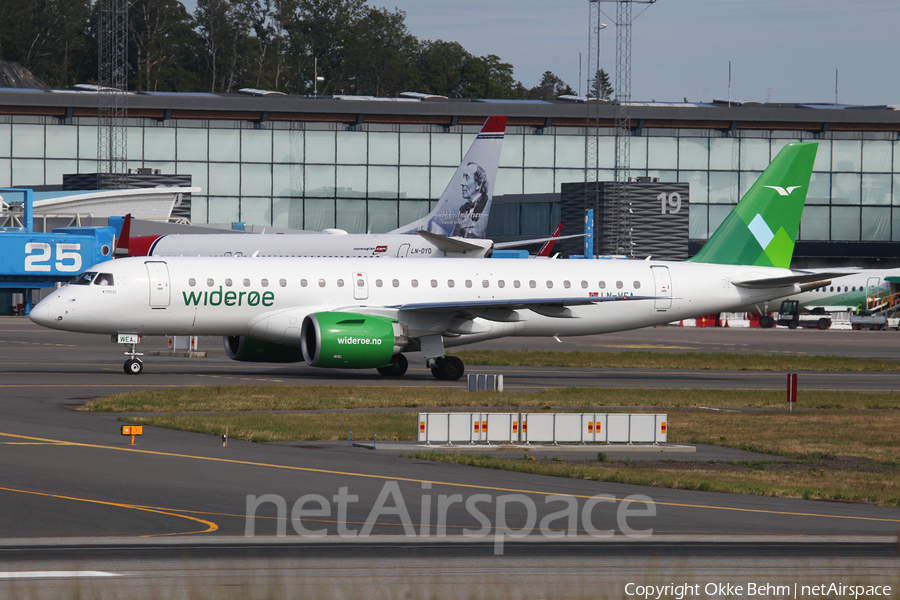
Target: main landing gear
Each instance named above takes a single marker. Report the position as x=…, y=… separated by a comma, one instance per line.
x=443, y=367
x=448, y=368
x=398, y=366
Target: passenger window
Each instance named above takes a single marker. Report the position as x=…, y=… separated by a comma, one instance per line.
x=637, y=285
x=340, y=283
x=532, y=284
x=517, y=283
x=395, y=283
x=584, y=285
x=468, y=283
x=192, y=282
x=360, y=283
x=378, y=283
x=450, y=283
x=434, y=283
x=501, y=283
x=210, y=282
x=282, y=282
x=601, y=285
x=303, y=283
x=246, y=283
x=415, y=283
x=549, y=284
x=567, y=284
x=321, y=283
x=228, y=283
x=620, y=285
x=485, y=283
x=264, y=282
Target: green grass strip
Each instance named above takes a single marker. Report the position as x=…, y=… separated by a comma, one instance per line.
x=268, y=398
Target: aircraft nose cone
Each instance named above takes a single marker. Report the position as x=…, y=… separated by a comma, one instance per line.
x=50, y=312
x=40, y=314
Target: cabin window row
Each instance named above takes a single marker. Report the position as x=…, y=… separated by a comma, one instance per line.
x=210, y=282
x=434, y=283
x=838, y=288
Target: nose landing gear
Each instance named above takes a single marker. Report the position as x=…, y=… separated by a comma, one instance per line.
x=133, y=366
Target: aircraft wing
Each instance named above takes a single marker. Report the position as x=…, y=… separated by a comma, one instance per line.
x=800, y=277
x=515, y=243
x=450, y=244
x=513, y=304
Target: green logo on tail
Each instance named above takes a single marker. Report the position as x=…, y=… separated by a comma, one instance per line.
x=762, y=228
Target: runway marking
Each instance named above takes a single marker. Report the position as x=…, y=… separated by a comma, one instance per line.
x=34, y=443
x=410, y=480
x=55, y=574
x=210, y=525
x=649, y=347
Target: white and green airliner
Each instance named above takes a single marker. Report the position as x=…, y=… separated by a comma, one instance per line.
x=366, y=313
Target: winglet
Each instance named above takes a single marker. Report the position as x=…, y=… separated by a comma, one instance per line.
x=463, y=208
x=763, y=227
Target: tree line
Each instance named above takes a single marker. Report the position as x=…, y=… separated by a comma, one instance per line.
x=279, y=45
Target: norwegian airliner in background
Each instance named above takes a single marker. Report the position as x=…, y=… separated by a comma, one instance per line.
x=455, y=227
x=362, y=313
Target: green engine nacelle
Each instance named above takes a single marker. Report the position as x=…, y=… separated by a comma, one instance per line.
x=347, y=340
x=247, y=349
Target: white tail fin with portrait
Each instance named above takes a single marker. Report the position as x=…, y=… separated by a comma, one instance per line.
x=463, y=208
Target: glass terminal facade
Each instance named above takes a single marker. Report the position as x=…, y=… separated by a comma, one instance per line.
x=375, y=177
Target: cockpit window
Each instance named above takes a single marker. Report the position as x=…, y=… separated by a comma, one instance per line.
x=92, y=277
x=85, y=278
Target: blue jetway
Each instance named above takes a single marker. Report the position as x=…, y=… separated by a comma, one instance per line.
x=30, y=260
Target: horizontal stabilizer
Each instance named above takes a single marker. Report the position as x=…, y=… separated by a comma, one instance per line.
x=450, y=244
x=801, y=277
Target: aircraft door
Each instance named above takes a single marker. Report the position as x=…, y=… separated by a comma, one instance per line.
x=662, y=281
x=873, y=286
x=360, y=286
x=158, y=274
x=403, y=251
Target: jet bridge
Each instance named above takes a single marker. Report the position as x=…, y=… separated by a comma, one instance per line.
x=30, y=261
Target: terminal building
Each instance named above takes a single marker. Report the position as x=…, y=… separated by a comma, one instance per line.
x=373, y=164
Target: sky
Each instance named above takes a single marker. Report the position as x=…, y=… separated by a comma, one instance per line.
x=780, y=50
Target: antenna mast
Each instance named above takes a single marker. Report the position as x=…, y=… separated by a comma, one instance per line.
x=592, y=101
x=113, y=82
x=621, y=242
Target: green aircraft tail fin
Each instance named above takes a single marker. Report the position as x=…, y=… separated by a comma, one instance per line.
x=762, y=228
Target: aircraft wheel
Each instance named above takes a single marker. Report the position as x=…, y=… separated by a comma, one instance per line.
x=133, y=366
x=793, y=324
x=398, y=366
x=766, y=322
x=822, y=324
x=448, y=368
